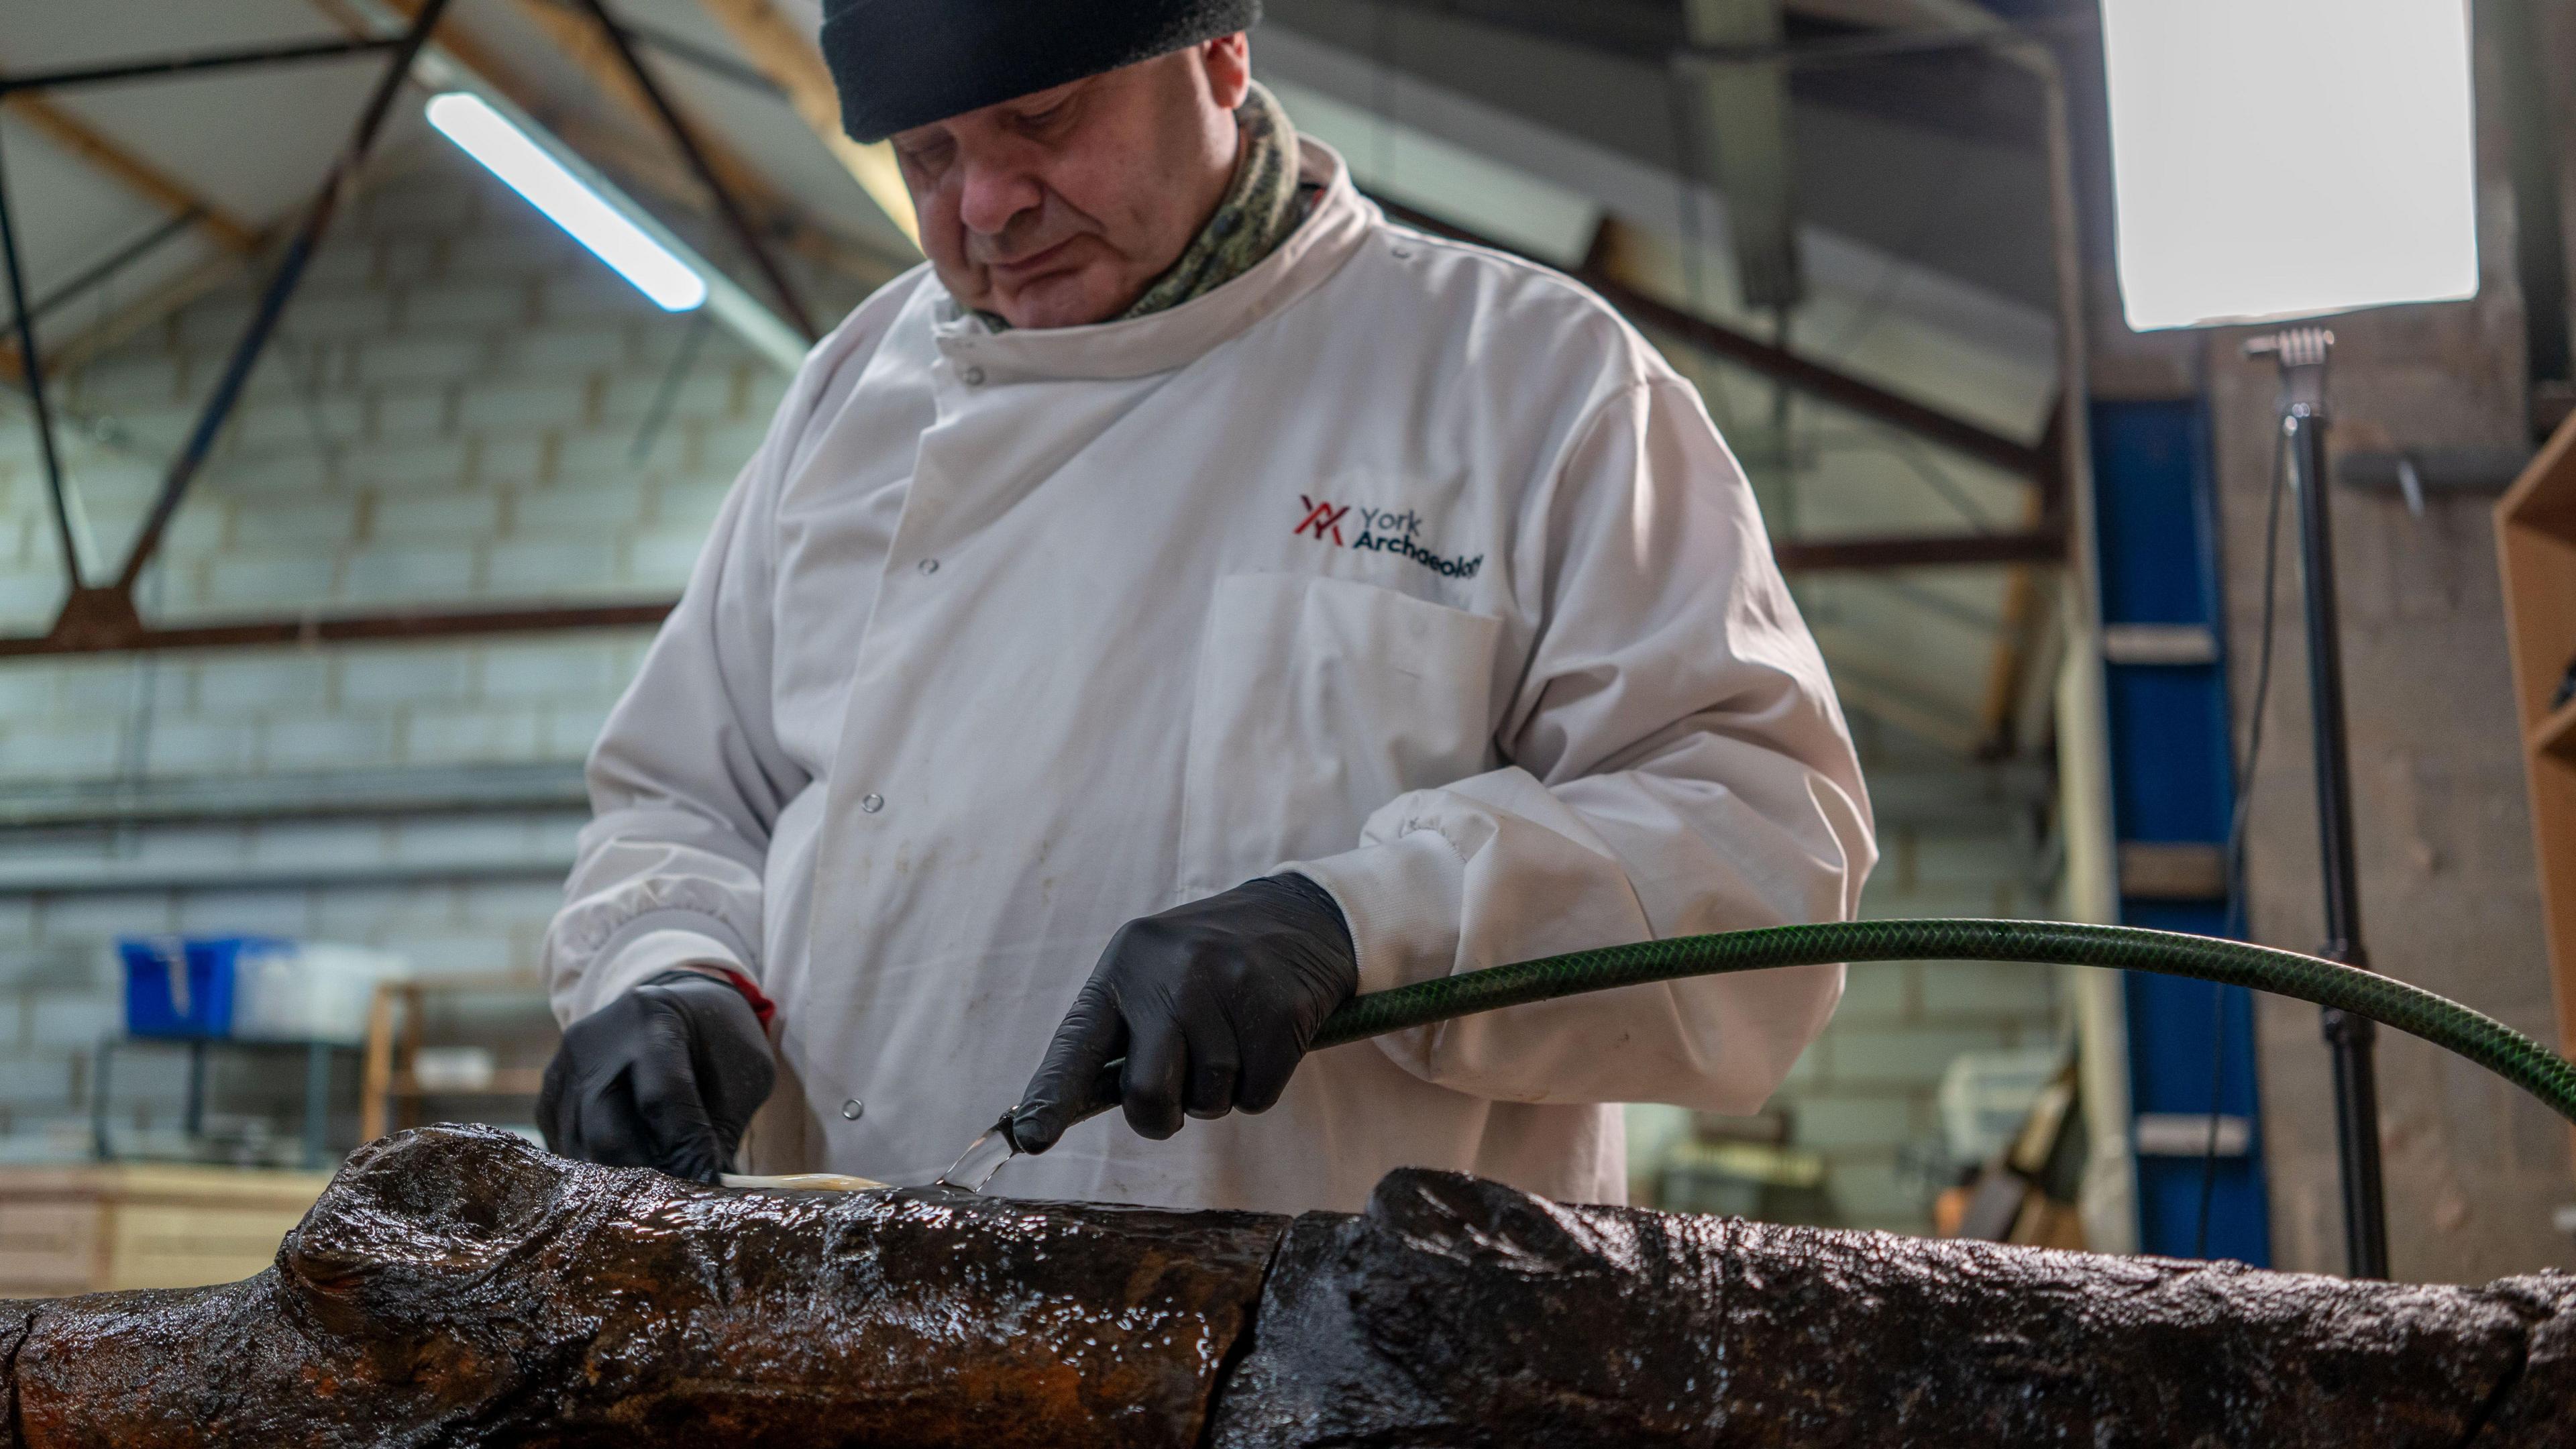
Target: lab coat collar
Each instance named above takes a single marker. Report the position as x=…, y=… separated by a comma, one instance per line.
x=1335, y=224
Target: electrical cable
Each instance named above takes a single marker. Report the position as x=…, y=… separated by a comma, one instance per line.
x=2238, y=815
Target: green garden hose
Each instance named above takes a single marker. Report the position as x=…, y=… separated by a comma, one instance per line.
x=2445, y=1023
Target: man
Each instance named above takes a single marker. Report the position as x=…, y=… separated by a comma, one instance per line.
x=1190, y=564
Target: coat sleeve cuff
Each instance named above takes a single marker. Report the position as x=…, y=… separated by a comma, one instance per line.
x=1401, y=900
x=648, y=953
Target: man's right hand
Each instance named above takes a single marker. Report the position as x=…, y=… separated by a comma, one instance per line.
x=666, y=1076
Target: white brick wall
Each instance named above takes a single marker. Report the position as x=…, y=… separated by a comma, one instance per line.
x=1863, y=1095
x=2475, y=1170
x=448, y=416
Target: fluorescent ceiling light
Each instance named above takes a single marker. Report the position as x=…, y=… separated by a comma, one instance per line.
x=509, y=153
x=2290, y=158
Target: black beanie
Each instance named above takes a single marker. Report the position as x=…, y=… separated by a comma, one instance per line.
x=906, y=63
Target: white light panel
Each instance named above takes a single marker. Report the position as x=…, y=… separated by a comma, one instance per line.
x=2290, y=158
x=507, y=152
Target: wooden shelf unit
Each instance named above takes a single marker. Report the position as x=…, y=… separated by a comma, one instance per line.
x=505, y=1082
x=389, y=1094
x=2536, y=535
x=103, y=1226
x=2555, y=735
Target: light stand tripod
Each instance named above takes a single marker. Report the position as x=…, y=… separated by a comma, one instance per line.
x=2302, y=352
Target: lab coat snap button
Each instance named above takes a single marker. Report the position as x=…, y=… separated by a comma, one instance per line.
x=872, y=803
x=974, y=376
x=928, y=566
x=853, y=1109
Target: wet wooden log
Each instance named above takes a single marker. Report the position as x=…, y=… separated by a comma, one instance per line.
x=456, y=1286
x=1460, y=1312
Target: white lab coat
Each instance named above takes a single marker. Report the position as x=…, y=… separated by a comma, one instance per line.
x=1393, y=561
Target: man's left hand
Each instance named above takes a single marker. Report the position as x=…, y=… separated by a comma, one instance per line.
x=1212, y=1004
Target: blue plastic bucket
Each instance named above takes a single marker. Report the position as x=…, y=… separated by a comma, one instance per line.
x=182, y=986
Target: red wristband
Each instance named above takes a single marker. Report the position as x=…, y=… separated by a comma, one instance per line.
x=761, y=1006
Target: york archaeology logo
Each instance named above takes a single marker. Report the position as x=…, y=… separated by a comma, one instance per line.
x=1380, y=530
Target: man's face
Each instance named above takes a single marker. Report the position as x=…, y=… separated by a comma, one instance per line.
x=1057, y=209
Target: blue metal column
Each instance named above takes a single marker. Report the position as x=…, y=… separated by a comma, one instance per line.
x=2173, y=791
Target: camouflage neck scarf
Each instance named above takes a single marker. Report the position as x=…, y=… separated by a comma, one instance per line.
x=1259, y=210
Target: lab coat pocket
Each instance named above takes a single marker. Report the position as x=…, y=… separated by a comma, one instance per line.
x=1319, y=700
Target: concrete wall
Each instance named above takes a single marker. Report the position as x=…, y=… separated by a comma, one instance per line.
x=1956, y=840
x=2448, y=879
x=2449, y=890
x=456, y=410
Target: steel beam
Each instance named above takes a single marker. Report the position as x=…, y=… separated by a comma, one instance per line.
x=1569, y=25
x=580, y=41
x=54, y=807
x=785, y=55
x=1740, y=124
x=728, y=205
x=31, y=364
x=104, y=620
x=2028, y=546
x=191, y=62
x=1812, y=378
x=272, y=304
x=2022, y=546
x=457, y=63
x=104, y=154
x=1828, y=385
x=108, y=266
x=53, y=878
x=703, y=59
x=133, y=636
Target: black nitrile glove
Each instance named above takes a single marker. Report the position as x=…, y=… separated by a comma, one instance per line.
x=665, y=1076
x=1211, y=1003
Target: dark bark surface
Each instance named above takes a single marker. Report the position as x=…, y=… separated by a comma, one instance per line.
x=1461, y=1312
x=456, y=1286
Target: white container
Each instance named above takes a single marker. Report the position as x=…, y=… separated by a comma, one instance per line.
x=453, y=1068
x=310, y=991
x=1985, y=1095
